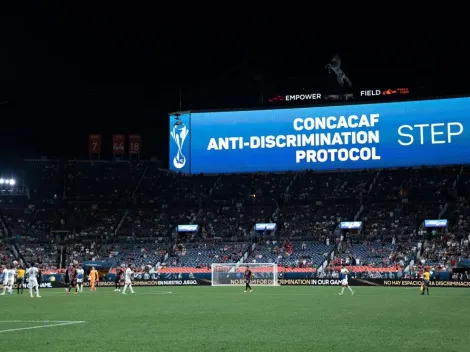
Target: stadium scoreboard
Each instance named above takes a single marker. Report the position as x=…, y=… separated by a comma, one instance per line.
x=363, y=136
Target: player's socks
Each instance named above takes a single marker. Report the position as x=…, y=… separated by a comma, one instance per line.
x=342, y=290
x=350, y=290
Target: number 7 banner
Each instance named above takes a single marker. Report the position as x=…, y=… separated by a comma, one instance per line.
x=118, y=144
x=94, y=144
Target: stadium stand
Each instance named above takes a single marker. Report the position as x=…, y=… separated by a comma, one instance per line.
x=123, y=211
x=44, y=181
x=102, y=180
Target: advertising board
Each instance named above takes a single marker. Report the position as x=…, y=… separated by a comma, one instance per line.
x=435, y=223
x=188, y=228
x=350, y=225
x=413, y=133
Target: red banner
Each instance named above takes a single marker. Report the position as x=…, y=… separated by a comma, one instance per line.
x=135, y=144
x=118, y=144
x=94, y=143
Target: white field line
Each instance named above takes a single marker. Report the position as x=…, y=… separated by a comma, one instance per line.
x=102, y=293
x=55, y=323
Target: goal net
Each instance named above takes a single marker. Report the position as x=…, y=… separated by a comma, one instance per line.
x=232, y=274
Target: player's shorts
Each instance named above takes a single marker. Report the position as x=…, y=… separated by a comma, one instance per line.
x=33, y=283
x=79, y=281
x=344, y=282
x=20, y=281
x=128, y=282
x=426, y=283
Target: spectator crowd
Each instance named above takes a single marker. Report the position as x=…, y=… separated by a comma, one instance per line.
x=125, y=211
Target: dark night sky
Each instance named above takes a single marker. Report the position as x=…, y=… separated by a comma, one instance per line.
x=67, y=72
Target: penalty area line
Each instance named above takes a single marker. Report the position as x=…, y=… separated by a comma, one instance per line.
x=40, y=326
x=42, y=321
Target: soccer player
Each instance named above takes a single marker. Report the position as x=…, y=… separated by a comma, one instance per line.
x=39, y=276
x=80, y=276
x=119, y=272
x=33, y=273
x=4, y=279
x=11, y=280
x=426, y=280
x=344, y=280
x=93, y=279
x=20, y=280
x=248, y=274
x=72, y=278
x=128, y=276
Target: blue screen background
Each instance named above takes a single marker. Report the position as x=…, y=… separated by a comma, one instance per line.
x=207, y=125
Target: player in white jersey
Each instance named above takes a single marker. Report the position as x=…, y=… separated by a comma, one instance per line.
x=8, y=280
x=33, y=272
x=11, y=280
x=344, y=280
x=4, y=279
x=80, y=276
x=128, y=276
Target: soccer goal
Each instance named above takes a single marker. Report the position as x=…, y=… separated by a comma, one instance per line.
x=232, y=274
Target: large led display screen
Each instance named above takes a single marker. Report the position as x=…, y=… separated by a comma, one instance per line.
x=430, y=132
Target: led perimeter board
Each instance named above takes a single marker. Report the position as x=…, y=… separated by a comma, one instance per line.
x=429, y=132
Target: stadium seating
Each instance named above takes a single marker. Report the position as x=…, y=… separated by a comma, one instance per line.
x=297, y=254
x=200, y=255
x=102, y=180
x=311, y=186
x=44, y=180
x=6, y=255
x=376, y=254
x=125, y=211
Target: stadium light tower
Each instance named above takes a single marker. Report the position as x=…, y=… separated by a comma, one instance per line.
x=2, y=181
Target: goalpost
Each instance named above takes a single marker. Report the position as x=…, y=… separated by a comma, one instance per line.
x=232, y=274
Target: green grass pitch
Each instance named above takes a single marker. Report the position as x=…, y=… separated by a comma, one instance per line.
x=286, y=319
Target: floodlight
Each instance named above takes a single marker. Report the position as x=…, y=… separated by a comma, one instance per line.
x=2, y=181
x=12, y=182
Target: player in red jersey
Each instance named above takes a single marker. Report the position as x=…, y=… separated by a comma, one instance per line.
x=72, y=279
x=248, y=275
x=119, y=272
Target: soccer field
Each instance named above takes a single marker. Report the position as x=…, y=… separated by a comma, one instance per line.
x=227, y=319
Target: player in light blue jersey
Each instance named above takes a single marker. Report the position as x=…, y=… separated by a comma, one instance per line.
x=344, y=280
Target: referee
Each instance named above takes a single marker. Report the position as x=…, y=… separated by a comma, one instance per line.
x=20, y=280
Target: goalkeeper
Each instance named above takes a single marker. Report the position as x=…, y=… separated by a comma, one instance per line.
x=248, y=275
